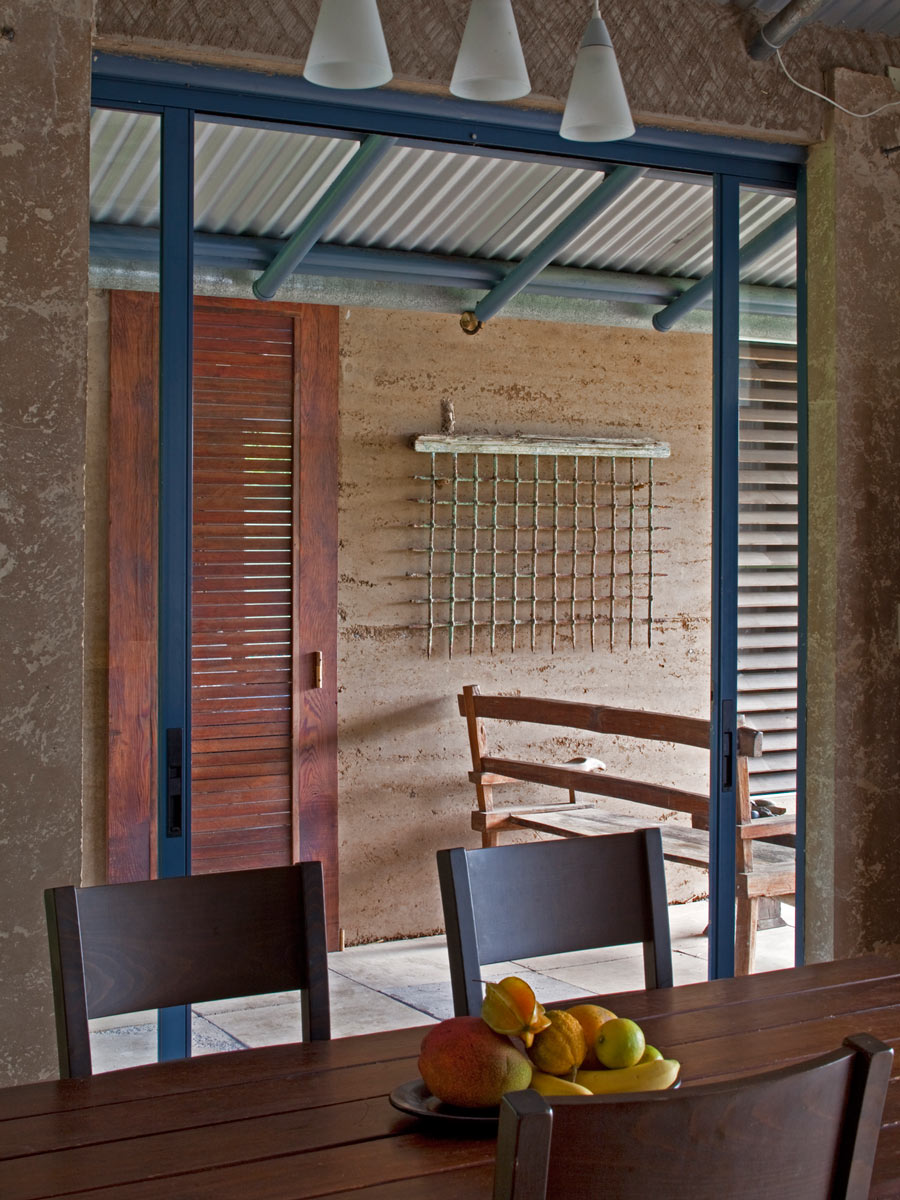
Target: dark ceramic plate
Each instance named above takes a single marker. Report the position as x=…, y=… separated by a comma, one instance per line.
x=415, y=1099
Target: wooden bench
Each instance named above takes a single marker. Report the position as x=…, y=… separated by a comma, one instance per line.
x=763, y=868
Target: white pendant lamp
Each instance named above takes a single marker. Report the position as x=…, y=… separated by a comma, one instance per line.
x=597, y=108
x=348, y=49
x=490, y=64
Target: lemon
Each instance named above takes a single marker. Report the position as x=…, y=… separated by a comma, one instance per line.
x=651, y=1054
x=561, y=1046
x=620, y=1043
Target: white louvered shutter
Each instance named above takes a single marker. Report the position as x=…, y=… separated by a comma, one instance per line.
x=768, y=563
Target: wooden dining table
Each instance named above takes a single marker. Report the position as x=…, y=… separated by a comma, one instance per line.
x=314, y=1119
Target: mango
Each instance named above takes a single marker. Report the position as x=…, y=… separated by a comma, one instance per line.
x=464, y=1063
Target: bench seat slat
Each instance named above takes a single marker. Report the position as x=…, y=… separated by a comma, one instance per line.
x=772, y=864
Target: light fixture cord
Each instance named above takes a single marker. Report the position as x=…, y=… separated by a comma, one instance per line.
x=813, y=92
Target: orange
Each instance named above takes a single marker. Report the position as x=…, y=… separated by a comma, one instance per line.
x=590, y=1017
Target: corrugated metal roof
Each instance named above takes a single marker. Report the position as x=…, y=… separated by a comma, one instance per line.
x=262, y=182
x=868, y=16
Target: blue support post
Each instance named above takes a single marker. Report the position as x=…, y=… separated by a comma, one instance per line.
x=723, y=716
x=694, y=296
x=615, y=183
x=175, y=503
x=355, y=173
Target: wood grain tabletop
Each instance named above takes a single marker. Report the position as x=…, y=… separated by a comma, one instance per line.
x=310, y=1120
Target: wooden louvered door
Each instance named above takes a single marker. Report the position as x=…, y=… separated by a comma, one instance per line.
x=264, y=589
x=768, y=564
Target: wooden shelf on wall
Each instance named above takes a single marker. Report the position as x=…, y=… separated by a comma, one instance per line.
x=540, y=444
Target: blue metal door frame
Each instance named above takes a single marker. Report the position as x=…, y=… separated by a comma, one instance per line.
x=175, y=506
x=178, y=91
x=723, y=736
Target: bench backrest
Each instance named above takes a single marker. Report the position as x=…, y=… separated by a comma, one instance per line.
x=489, y=771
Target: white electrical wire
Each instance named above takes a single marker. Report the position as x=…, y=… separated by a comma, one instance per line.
x=813, y=92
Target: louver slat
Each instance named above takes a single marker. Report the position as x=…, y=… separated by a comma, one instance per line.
x=241, y=678
x=767, y=567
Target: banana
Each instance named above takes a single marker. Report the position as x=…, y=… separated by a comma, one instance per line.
x=552, y=1085
x=644, y=1077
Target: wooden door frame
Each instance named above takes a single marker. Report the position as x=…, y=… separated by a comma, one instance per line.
x=132, y=819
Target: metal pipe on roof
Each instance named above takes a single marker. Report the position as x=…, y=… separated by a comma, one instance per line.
x=355, y=173
x=615, y=183
x=129, y=256
x=794, y=15
x=756, y=249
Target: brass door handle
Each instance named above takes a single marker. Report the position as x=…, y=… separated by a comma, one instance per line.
x=317, y=668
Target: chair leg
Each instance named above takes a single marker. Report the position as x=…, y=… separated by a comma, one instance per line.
x=745, y=934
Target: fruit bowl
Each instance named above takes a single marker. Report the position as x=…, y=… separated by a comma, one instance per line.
x=415, y=1100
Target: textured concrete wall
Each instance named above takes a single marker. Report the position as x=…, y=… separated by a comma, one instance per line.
x=854, y=812
x=44, y=80
x=684, y=62
x=403, y=748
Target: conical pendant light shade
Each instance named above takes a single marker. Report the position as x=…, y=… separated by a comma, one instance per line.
x=490, y=64
x=348, y=49
x=597, y=108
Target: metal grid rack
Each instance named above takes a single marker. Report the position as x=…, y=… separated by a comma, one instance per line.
x=536, y=538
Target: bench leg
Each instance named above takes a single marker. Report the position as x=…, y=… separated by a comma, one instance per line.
x=745, y=934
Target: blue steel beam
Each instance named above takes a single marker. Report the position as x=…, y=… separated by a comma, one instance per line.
x=615, y=183
x=145, y=83
x=356, y=172
x=128, y=246
x=701, y=291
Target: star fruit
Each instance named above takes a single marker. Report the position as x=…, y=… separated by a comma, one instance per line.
x=510, y=1007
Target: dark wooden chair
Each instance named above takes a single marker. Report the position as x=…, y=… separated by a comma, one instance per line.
x=526, y=900
x=805, y=1132
x=125, y=947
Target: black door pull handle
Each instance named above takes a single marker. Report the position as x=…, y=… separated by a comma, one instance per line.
x=174, y=808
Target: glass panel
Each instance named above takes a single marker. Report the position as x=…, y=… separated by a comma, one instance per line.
x=587, y=362
x=768, y=561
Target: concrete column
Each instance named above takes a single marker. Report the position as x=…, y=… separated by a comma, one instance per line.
x=45, y=61
x=854, y=656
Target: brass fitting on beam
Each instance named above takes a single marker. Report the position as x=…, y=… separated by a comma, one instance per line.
x=470, y=323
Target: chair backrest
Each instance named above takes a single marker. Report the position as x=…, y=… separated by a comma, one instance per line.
x=125, y=947
x=805, y=1132
x=529, y=899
